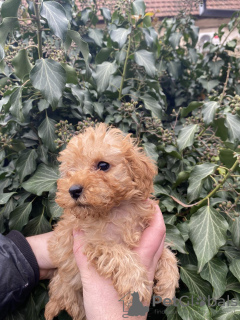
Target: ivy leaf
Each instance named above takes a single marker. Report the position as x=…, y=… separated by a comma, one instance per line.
x=16, y=104
x=173, y=152
x=209, y=85
x=231, y=45
x=31, y=135
x=42, y=153
x=120, y=36
x=106, y=13
x=160, y=190
x=171, y=313
x=55, y=210
x=26, y=163
x=235, y=268
x=174, y=39
x=150, y=149
x=192, y=106
x=208, y=232
x=26, y=109
x=232, y=283
x=31, y=312
x=169, y=218
x=146, y=59
x=46, y=132
x=103, y=74
x=21, y=64
x=44, y=179
x=153, y=105
x=96, y=35
x=2, y=53
x=215, y=67
x=221, y=129
x=174, y=68
x=4, y=197
x=215, y=271
x=70, y=73
x=227, y=312
x=191, y=308
x=103, y=55
x=37, y=225
x=19, y=216
x=42, y=105
x=226, y=156
x=56, y=17
x=49, y=77
x=169, y=204
x=232, y=122
x=186, y=136
x=10, y=8
x=98, y=108
x=209, y=110
x=81, y=44
x=184, y=229
x=138, y=8
x=175, y=239
x=196, y=179
x=149, y=36
x=4, y=183
x=194, y=282
x=85, y=15
x=231, y=253
x=7, y=26
x=193, y=55
x=181, y=177
x=234, y=227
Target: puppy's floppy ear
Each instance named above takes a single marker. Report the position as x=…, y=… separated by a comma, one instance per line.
x=142, y=169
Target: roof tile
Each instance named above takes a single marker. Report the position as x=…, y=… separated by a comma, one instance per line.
x=168, y=8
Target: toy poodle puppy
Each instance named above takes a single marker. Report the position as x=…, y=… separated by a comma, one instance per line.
x=105, y=182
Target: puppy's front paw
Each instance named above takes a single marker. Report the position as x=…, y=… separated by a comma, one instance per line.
x=51, y=310
x=140, y=286
x=141, y=296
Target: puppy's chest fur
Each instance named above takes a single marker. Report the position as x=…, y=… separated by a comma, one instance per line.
x=123, y=225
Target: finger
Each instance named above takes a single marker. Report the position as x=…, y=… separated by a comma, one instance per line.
x=159, y=252
x=152, y=237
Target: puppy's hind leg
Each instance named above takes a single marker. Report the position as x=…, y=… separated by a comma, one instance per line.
x=76, y=309
x=55, y=303
x=166, y=275
x=64, y=297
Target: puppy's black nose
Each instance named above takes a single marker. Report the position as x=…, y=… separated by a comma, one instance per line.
x=75, y=191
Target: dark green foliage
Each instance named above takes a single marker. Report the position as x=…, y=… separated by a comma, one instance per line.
x=182, y=103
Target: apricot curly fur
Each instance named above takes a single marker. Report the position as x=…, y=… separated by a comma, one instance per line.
x=112, y=213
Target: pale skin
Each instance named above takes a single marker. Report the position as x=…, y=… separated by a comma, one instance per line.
x=101, y=301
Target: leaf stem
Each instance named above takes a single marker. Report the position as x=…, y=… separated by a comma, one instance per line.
x=221, y=183
x=25, y=82
x=202, y=132
x=39, y=30
x=125, y=68
x=31, y=46
x=225, y=85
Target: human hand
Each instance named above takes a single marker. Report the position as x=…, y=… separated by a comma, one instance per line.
x=101, y=300
x=39, y=245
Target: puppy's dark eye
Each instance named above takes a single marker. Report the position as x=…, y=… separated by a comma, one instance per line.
x=104, y=166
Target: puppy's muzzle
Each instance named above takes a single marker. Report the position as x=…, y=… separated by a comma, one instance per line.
x=75, y=191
